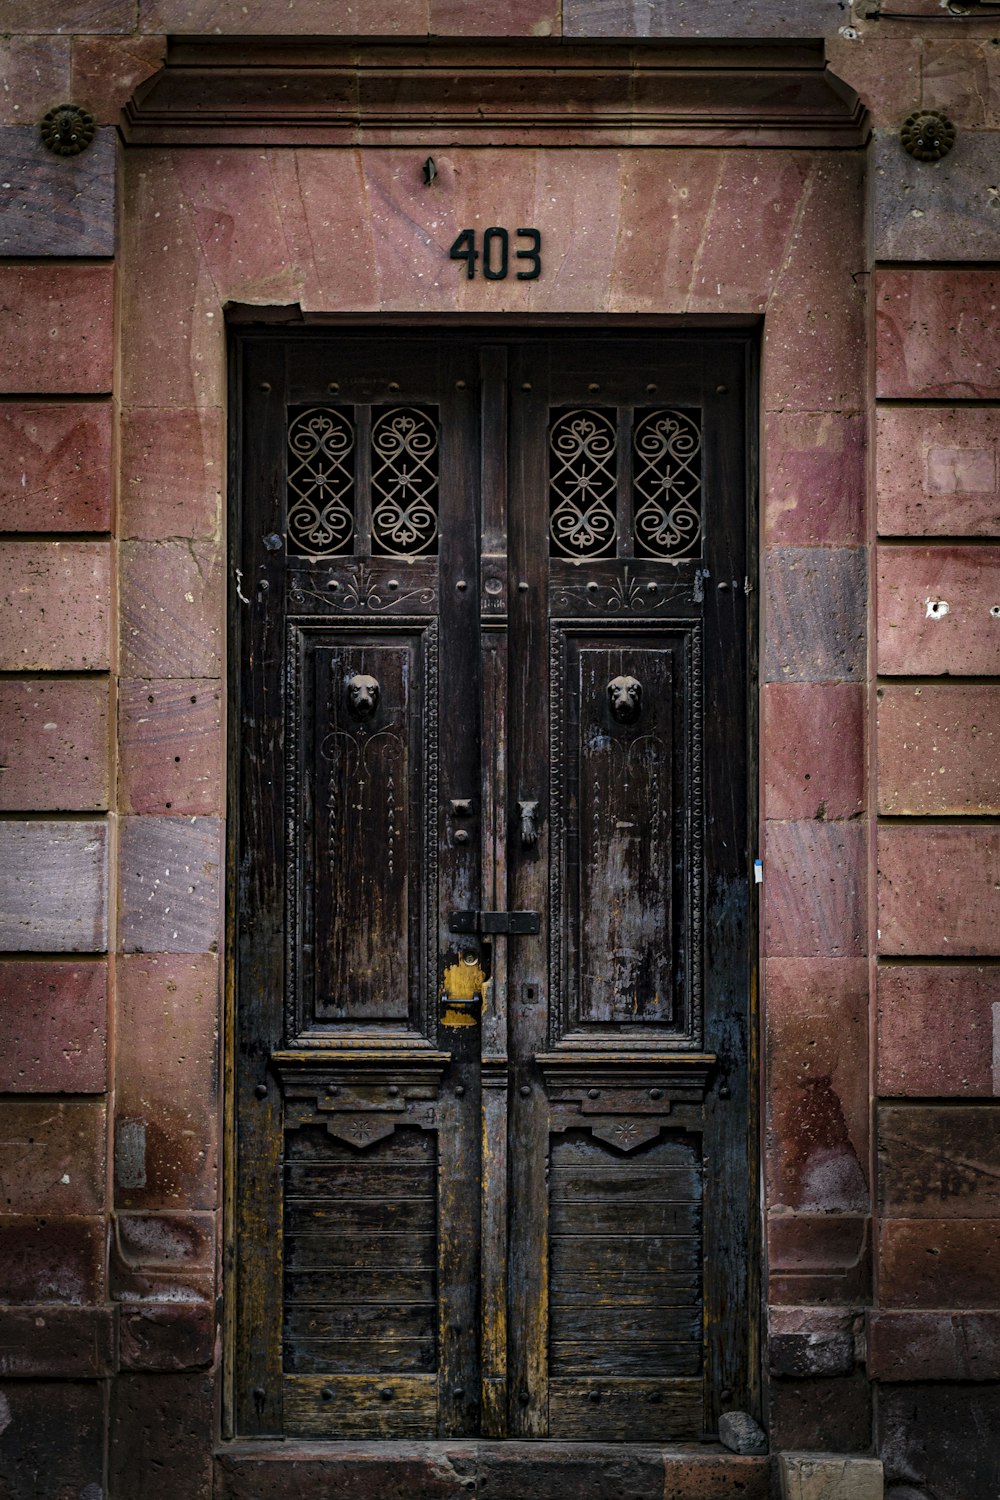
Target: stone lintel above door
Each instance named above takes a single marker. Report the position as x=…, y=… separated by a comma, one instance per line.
x=428, y=94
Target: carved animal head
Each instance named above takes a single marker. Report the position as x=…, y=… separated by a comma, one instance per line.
x=625, y=697
x=362, y=695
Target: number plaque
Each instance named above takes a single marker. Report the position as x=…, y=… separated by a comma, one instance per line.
x=495, y=253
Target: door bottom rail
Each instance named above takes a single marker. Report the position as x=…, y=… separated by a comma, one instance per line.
x=463, y=1468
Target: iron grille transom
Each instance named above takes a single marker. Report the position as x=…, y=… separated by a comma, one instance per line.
x=625, y=482
x=321, y=465
x=335, y=509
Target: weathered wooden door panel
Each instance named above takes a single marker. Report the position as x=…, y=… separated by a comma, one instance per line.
x=491, y=623
x=622, y=815
x=366, y=832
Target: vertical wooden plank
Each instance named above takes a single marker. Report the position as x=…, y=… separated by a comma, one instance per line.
x=727, y=859
x=493, y=469
x=528, y=742
x=259, y=898
x=460, y=727
x=495, y=819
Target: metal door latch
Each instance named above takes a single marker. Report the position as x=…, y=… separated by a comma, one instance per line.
x=512, y=923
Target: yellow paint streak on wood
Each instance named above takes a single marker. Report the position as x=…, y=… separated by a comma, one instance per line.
x=453, y=1017
x=464, y=980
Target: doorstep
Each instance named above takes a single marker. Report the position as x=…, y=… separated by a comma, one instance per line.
x=472, y=1469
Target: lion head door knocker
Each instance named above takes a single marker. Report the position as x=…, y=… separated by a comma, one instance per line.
x=625, y=697
x=363, y=694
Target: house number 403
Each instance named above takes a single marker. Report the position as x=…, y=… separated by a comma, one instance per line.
x=495, y=254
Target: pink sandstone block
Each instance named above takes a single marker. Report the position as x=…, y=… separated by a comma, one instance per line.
x=172, y=747
x=822, y=1258
x=173, y=466
x=106, y=71
x=162, y=1424
x=54, y=1016
x=939, y=890
x=938, y=1161
x=53, y=886
x=933, y=1345
x=520, y=18
x=54, y=744
x=814, y=890
x=55, y=606
x=311, y=18
x=170, y=885
x=175, y=352
x=53, y=1156
x=937, y=334
x=960, y=78
x=814, y=749
x=939, y=1263
x=816, y=1156
x=885, y=73
x=56, y=474
x=938, y=610
x=56, y=328
x=815, y=479
x=51, y=1342
x=939, y=749
x=59, y=1436
x=65, y=17
x=166, y=1336
x=34, y=75
x=172, y=598
x=937, y=471
x=163, y=1257
x=832, y=1415
x=814, y=335
x=51, y=1259
x=939, y=1030
x=934, y=1430
x=166, y=1123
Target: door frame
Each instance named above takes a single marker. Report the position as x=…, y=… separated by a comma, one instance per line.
x=255, y=322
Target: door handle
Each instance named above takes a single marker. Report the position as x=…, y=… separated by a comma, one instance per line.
x=529, y=824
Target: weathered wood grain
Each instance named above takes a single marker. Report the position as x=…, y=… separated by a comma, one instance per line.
x=389, y=1406
x=427, y=1282
x=623, y=1410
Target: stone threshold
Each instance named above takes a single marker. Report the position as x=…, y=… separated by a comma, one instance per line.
x=509, y=1470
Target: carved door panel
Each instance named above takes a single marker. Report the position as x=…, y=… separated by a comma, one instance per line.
x=631, y=1184
x=491, y=1161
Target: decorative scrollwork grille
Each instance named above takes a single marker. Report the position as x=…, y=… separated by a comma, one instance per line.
x=666, y=504
x=404, y=482
x=583, y=479
x=321, y=459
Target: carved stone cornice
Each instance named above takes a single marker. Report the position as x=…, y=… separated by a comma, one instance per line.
x=551, y=93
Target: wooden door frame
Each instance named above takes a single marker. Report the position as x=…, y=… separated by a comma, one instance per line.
x=251, y=322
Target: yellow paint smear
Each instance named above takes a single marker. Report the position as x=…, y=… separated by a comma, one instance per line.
x=463, y=981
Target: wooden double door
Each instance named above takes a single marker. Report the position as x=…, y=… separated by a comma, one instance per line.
x=491, y=884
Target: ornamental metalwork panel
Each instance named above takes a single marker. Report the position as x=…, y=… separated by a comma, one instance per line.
x=404, y=452
x=666, y=455
x=321, y=478
x=583, y=483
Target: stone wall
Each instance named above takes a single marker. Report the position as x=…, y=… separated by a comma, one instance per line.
x=880, y=772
